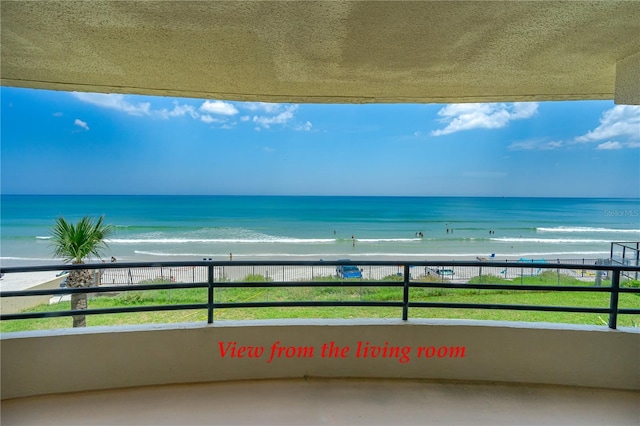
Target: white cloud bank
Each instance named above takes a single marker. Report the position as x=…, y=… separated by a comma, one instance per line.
x=209, y=112
x=282, y=117
x=610, y=145
x=620, y=126
x=177, y=111
x=114, y=101
x=483, y=116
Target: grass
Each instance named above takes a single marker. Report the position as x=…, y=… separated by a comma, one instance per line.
x=302, y=293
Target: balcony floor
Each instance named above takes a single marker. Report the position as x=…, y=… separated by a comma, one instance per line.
x=328, y=402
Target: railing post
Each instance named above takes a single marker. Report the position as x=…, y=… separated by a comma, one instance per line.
x=613, y=306
x=405, y=294
x=210, y=294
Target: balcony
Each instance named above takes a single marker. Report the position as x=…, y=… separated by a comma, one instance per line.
x=405, y=369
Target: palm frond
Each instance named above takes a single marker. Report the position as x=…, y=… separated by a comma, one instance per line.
x=74, y=243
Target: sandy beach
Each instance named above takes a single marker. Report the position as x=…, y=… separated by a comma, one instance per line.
x=190, y=274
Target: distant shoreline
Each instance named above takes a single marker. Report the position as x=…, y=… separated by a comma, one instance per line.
x=330, y=257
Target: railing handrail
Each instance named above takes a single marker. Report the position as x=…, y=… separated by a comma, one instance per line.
x=407, y=283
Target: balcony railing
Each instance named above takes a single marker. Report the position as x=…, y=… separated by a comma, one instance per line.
x=407, y=277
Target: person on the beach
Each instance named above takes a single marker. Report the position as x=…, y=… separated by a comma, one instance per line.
x=113, y=259
x=230, y=256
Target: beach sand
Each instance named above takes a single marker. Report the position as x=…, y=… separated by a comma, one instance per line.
x=190, y=274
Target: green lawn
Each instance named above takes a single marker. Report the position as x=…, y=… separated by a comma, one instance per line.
x=230, y=295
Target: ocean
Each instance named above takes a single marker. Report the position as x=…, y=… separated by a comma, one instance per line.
x=152, y=228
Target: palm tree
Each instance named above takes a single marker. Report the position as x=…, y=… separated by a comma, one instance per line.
x=74, y=243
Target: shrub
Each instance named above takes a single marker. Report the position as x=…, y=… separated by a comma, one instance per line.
x=394, y=277
x=257, y=278
x=156, y=281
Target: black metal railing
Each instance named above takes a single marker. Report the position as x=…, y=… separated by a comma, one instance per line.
x=626, y=253
x=402, y=274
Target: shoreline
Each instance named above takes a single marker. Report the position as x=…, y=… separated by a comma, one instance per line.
x=418, y=257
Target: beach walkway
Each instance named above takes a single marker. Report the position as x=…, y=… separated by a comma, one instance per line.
x=25, y=280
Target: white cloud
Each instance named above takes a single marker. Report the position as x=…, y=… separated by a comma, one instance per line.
x=522, y=110
x=210, y=111
x=535, y=144
x=620, y=122
x=304, y=127
x=274, y=114
x=114, y=101
x=482, y=116
x=554, y=145
x=81, y=123
x=282, y=118
x=179, y=111
x=218, y=107
x=57, y=114
x=206, y=118
x=119, y=103
x=268, y=108
x=610, y=145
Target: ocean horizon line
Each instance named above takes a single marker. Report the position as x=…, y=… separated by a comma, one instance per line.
x=330, y=196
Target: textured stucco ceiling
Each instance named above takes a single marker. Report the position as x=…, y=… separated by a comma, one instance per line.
x=329, y=51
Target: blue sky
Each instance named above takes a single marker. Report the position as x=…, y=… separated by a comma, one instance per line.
x=83, y=143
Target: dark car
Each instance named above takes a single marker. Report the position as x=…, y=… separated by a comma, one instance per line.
x=348, y=271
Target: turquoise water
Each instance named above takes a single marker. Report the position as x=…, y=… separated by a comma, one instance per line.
x=265, y=227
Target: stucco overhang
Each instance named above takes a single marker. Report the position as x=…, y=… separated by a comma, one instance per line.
x=325, y=51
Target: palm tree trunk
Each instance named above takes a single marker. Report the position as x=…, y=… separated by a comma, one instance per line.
x=78, y=302
x=79, y=278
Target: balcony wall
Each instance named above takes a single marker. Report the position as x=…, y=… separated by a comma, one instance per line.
x=49, y=362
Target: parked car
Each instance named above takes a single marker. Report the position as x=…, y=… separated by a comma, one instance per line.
x=348, y=271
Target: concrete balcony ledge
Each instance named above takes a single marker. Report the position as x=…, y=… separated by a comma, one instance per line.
x=451, y=372
x=63, y=361
x=316, y=401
